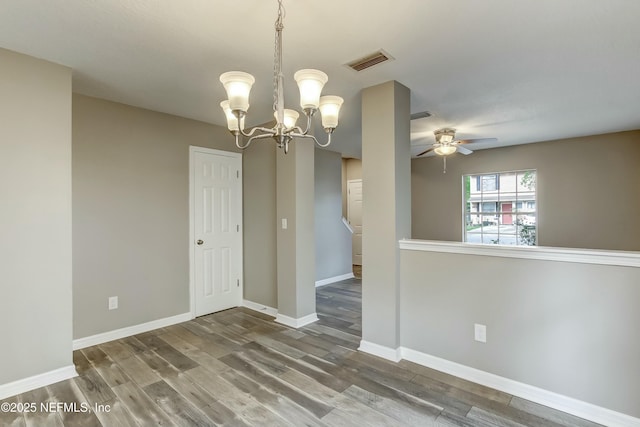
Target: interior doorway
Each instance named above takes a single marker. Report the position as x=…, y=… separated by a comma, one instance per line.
x=216, y=230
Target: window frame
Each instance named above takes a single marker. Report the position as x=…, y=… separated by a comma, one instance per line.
x=499, y=212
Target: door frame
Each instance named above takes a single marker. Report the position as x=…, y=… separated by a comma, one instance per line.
x=192, y=227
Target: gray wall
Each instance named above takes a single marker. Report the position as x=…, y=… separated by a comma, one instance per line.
x=260, y=261
x=131, y=212
x=35, y=218
x=587, y=190
x=333, y=239
x=565, y=327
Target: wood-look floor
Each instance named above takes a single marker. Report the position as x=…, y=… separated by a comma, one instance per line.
x=239, y=368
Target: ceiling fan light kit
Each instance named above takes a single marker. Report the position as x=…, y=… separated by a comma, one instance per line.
x=445, y=150
x=444, y=145
x=310, y=83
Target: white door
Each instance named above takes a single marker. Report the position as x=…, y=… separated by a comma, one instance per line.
x=216, y=230
x=354, y=216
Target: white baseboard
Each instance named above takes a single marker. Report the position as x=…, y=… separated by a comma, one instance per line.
x=296, y=323
x=37, y=381
x=562, y=403
x=260, y=308
x=381, y=351
x=129, y=330
x=334, y=279
x=346, y=224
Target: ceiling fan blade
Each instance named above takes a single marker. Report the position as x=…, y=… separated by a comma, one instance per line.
x=424, y=152
x=469, y=141
x=463, y=150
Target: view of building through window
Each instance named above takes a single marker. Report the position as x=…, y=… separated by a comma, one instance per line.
x=500, y=208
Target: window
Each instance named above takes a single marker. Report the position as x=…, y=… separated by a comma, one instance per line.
x=489, y=182
x=500, y=208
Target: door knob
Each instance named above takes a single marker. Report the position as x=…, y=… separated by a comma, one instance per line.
x=199, y=242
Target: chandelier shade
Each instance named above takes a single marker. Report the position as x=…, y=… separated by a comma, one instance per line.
x=290, y=118
x=310, y=82
x=238, y=86
x=232, y=121
x=329, y=109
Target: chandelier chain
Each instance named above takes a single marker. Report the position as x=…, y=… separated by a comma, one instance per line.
x=277, y=55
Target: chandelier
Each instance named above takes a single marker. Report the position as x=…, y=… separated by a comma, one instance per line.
x=310, y=82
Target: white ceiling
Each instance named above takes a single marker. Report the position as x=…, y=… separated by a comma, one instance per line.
x=521, y=71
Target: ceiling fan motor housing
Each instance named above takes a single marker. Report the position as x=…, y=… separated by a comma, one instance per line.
x=445, y=136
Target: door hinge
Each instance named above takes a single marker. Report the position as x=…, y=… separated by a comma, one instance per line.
x=238, y=227
x=237, y=174
x=238, y=283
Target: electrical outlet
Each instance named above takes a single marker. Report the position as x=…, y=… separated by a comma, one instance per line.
x=113, y=303
x=480, y=332
x=284, y=223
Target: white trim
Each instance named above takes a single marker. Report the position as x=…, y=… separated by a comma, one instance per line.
x=259, y=307
x=381, y=351
x=129, y=331
x=583, y=256
x=560, y=402
x=194, y=148
x=346, y=224
x=37, y=381
x=334, y=279
x=296, y=323
x=192, y=282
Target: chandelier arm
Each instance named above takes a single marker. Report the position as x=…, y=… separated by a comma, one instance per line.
x=297, y=130
x=256, y=129
x=298, y=135
x=302, y=135
x=328, y=141
x=240, y=146
x=262, y=136
x=309, y=113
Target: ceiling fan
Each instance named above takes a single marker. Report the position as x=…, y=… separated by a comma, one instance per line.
x=446, y=144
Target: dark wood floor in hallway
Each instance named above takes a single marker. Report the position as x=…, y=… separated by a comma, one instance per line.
x=239, y=368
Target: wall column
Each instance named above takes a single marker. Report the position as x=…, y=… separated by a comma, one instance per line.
x=296, y=243
x=386, y=212
x=35, y=223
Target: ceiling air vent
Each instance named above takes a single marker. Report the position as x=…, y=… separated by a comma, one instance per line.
x=370, y=60
x=420, y=115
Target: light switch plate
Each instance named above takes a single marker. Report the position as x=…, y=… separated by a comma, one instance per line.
x=480, y=332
